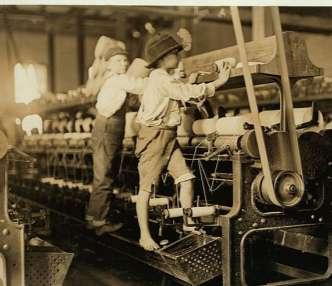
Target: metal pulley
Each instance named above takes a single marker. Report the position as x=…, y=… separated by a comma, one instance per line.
x=288, y=189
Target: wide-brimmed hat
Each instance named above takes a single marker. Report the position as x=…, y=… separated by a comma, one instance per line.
x=160, y=45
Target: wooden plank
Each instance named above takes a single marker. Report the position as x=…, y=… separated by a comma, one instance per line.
x=258, y=51
x=261, y=51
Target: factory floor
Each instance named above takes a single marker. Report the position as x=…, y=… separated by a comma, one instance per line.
x=87, y=269
x=97, y=266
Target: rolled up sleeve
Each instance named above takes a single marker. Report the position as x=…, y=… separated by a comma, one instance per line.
x=186, y=91
x=132, y=84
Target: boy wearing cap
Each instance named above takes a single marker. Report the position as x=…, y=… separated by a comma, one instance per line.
x=159, y=116
x=109, y=81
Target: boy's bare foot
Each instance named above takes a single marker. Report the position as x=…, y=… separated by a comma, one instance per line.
x=148, y=243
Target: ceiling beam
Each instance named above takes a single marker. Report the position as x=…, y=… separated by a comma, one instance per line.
x=104, y=17
x=289, y=21
x=43, y=24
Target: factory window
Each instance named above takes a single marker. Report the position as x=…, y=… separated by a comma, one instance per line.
x=30, y=82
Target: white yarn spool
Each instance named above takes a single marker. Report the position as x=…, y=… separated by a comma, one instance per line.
x=233, y=125
x=205, y=126
x=87, y=124
x=78, y=125
x=203, y=211
x=173, y=213
x=153, y=201
x=301, y=115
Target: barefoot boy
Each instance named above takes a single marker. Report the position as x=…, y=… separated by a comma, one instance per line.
x=109, y=80
x=159, y=115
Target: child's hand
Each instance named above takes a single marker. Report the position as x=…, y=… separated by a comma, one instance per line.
x=193, y=77
x=224, y=69
x=224, y=73
x=226, y=62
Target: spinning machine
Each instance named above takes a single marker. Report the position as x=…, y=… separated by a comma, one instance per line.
x=262, y=193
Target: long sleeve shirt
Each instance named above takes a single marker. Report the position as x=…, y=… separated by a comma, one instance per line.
x=160, y=101
x=113, y=93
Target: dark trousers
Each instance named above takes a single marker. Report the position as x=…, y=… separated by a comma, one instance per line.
x=107, y=137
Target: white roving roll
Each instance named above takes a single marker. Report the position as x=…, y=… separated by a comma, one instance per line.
x=301, y=115
x=205, y=126
x=233, y=125
x=153, y=201
x=203, y=211
x=173, y=213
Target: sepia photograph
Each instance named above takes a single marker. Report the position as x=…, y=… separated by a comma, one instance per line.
x=172, y=144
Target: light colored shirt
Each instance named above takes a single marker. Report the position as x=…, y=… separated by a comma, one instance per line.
x=113, y=93
x=160, y=101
